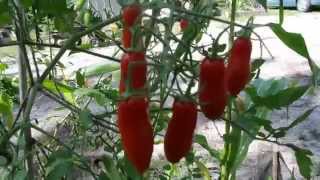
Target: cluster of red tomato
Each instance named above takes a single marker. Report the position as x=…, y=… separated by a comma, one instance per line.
x=216, y=82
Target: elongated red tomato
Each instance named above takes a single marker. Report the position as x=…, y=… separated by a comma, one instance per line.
x=130, y=14
x=178, y=138
x=184, y=24
x=134, y=70
x=238, y=69
x=212, y=89
x=126, y=37
x=136, y=131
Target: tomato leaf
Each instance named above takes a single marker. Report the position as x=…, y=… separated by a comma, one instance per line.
x=112, y=172
x=59, y=165
x=59, y=88
x=26, y=3
x=6, y=107
x=299, y=119
x=273, y=94
x=101, y=69
x=85, y=119
x=201, y=140
x=281, y=132
x=256, y=64
x=294, y=41
x=203, y=170
x=99, y=97
x=131, y=170
x=304, y=161
x=4, y=18
x=80, y=78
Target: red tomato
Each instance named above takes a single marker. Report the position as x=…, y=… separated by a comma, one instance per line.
x=130, y=14
x=134, y=69
x=136, y=131
x=184, y=24
x=212, y=91
x=238, y=69
x=178, y=138
x=126, y=37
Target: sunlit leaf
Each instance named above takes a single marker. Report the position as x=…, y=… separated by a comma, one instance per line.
x=60, y=89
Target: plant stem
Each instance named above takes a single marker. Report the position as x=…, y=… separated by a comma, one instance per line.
x=224, y=173
x=27, y=132
x=232, y=21
x=24, y=66
x=224, y=169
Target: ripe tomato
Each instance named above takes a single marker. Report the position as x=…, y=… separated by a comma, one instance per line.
x=136, y=131
x=238, y=69
x=184, y=24
x=134, y=70
x=130, y=14
x=126, y=37
x=212, y=89
x=178, y=138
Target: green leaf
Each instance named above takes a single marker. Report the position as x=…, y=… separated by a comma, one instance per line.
x=256, y=64
x=253, y=124
x=93, y=93
x=112, y=172
x=80, y=78
x=59, y=88
x=79, y=4
x=299, y=119
x=4, y=6
x=5, y=18
x=293, y=40
x=202, y=140
x=103, y=176
x=101, y=69
x=304, y=162
x=3, y=67
x=64, y=22
x=6, y=108
x=56, y=7
x=273, y=95
x=85, y=119
x=21, y=175
x=203, y=170
x=281, y=132
x=26, y=3
x=131, y=170
x=59, y=165
x=188, y=36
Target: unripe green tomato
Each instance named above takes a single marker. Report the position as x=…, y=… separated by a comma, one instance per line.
x=79, y=4
x=87, y=18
